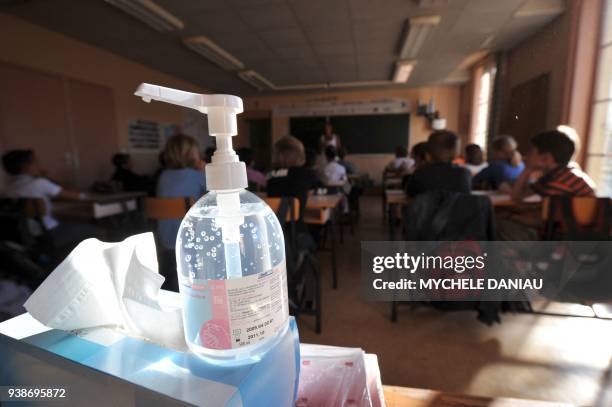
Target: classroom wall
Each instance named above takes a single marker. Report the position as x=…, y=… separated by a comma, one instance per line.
x=567, y=50
x=31, y=46
x=447, y=99
x=545, y=52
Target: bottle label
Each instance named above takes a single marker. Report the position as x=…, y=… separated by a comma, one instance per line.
x=229, y=314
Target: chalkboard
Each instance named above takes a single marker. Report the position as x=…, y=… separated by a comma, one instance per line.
x=363, y=134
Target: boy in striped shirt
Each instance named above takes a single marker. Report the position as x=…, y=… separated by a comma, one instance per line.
x=551, y=156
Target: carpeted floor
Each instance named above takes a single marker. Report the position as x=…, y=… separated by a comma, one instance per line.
x=556, y=358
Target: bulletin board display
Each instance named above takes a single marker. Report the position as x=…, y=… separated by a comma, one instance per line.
x=150, y=136
x=144, y=135
x=360, y=134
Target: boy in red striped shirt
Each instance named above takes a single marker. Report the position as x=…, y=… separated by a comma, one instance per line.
x=551, y=156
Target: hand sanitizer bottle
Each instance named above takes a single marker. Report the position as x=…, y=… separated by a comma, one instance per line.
x=230, y=249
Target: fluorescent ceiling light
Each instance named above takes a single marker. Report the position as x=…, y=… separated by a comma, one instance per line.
x=418, y=30
x=403, y=69
x=256, y=80
x=432, y=3
x=214, y=53
x=458, y=76
x=472, y=58
x=535, y=8
x=305, y=86
x=149, y=13
x=357, y=84
x=487, y=42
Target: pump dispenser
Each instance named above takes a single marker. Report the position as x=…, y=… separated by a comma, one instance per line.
x=229, y=250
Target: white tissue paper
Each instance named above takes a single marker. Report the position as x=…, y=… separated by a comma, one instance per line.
x=112, y=285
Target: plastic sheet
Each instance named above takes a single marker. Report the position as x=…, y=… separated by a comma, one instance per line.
x=332, y=376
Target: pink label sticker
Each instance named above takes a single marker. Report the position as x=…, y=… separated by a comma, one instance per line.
x=215, y=334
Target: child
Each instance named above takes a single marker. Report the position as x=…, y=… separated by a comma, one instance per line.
x=28, y=181
x=130, y=181
x=334, y=173
x=440, y=173
x=506, y=165
x=550, y=155
x=290, y=177
x=350, y=167
x=474, y=159
x=420, y=156
x=401, y=164
x=254, y=176
x=183, y=176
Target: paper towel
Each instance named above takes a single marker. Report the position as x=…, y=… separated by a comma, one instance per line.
x=109, y=284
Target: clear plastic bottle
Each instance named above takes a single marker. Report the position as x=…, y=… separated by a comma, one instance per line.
x=234, y=293
x=230, y=249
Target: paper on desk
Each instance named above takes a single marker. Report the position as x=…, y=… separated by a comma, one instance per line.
x=332, y=376
x=112, y=285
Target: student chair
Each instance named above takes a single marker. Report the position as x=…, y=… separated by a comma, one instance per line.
x=157, y=209
x=576, y=218
x=451, y=216
x=390, y=180
x=323, y=222
x=167, y=208
x=303, y=277
x=16, y=216
x=291, y=208
x=580, y=219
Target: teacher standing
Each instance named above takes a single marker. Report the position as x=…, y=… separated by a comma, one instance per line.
x=329, y=138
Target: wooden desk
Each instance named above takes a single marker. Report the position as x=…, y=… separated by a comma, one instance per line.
x=396, y=396
x=318, y=202
x=499, y=199
x=398, y=198
x=394, y=199
x=324, y=210
x=323, y=201
x=389, y=182
x=98, y=206
x=336, y=184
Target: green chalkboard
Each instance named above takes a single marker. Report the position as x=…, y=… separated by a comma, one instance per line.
x=363, y=134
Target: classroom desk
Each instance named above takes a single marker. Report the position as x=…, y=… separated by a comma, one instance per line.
x=390, y=182
x=323, y=201
x=326, y=209
x=499, y=199
x=95, y=206
x=323, y=210
x=397, y=198
x=394, y=199
x=335, y=184
x=396, y=396
x=356, y=177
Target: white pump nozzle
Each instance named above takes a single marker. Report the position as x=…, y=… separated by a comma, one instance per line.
x=225, y=171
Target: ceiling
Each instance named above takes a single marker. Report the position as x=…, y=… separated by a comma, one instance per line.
x=294, y=42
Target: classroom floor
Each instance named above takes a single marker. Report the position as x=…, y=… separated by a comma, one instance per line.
x=555, y=358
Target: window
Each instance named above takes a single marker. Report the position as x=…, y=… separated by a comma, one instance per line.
x=484, y=76
x=599, y=149
x=482, y=109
